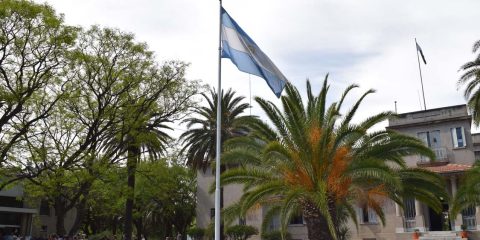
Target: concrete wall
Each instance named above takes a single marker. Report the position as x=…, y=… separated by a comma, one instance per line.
x=48, y=222
x=40, y=222
x=464, y=155
x=377, y=231
x=15, y=191
x=231, y=194
x=205, y=200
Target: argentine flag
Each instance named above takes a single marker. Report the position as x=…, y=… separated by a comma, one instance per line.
x=247, y=56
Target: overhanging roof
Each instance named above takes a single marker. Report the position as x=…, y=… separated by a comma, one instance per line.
x=18, y=210
x=449, y=168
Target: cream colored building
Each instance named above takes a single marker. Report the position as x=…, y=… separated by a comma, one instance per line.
x=447, y=131
x=17, y=215
x=13, y=212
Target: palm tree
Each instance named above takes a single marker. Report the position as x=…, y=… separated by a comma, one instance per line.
x=471, y=78
x=140, y=134
x=200, y=142
x=468, y=194
x=316, y=162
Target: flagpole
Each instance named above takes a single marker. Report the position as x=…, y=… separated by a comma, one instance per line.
x=420, y=71
x=219, y=125
x=250, y=91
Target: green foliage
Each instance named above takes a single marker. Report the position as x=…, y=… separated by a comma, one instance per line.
x=468, y=193
x=196, y=233
x=105, y=235
x=34, y=44
x=275, y=235
x=96, y=98
x=164, y=196
x=470, y=79
x=324, y=165
x=200, y=142
x=210, y=230
x=240, y=232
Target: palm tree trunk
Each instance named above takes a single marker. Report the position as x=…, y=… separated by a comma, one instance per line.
x=317, y=225
x=132, y=155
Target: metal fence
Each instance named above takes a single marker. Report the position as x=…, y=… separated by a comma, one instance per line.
x=469, y=219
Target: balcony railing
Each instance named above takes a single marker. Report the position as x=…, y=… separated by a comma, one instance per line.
x=410, y=224
x=441, y=156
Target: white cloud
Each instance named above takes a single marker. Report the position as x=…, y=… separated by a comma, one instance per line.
x=367, y=42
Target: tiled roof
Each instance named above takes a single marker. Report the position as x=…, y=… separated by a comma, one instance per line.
x=449, y=168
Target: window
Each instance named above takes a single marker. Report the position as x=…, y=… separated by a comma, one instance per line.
x=468, y=217
x=430, y=138
x=409, y=213
x=366, y=215
x=409, y=208
x=212, y=213
x=274, y=223
x=44, y=208
x=458, y=137
x=10, y=202
x=297, y=219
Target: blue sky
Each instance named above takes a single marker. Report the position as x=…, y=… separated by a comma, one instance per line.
x=368, y=42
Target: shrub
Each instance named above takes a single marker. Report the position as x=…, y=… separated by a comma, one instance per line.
x=210, y=230
x=102, y=236
x=196, y=233
x=240, y=232
x=274, y=235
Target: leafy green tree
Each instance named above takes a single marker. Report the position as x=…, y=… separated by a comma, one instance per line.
x=471, y=79
x=103, y=67
x=200, y=141
x=196, y=233
x=164, y=200
x=33, y=44
x=163, y=95
x=165, y=197
x=141, y=129
x=315, y=161
x=117, y=92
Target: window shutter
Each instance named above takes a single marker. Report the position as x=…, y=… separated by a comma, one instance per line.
x=359, y=214
x=372, y=216
x=454, y=137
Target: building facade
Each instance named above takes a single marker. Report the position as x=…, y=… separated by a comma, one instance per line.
x=15, y=216
x=447, y=131
x=18, y=216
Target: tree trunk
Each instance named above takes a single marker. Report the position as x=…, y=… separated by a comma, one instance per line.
x=168, y=230
x=317, y=225
x=131, y=168
x=60, y=211
x=139, y=227
x=80, y=216
x=114, y=225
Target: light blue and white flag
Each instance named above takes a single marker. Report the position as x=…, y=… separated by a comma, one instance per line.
x=247, y=56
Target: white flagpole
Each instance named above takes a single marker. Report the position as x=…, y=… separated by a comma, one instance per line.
x=219, y=120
